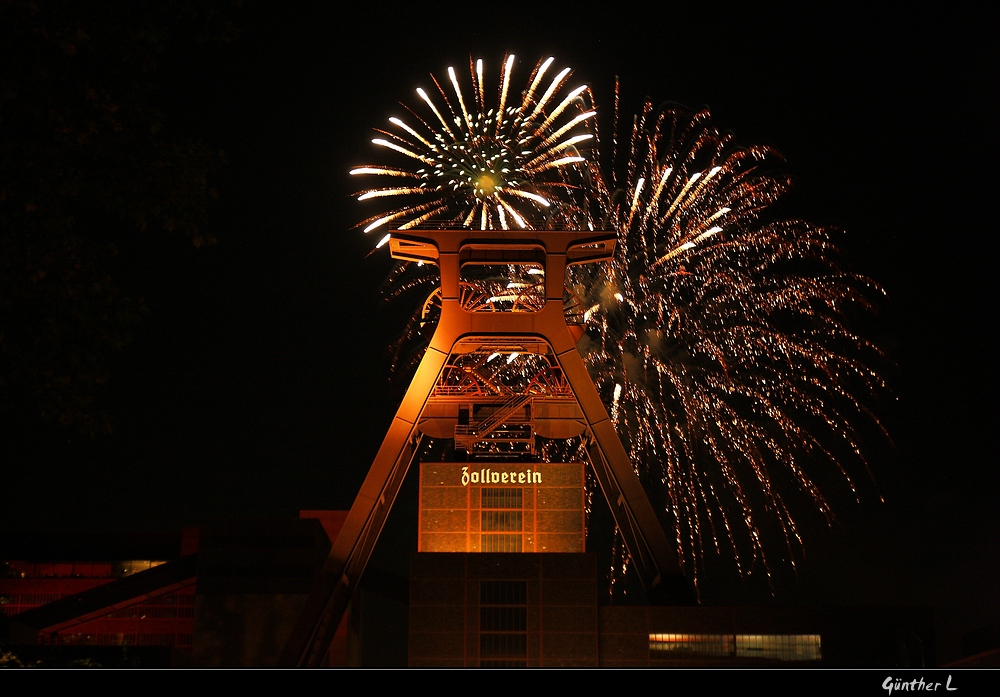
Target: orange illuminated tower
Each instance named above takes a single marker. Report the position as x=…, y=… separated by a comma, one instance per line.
x=447, y=399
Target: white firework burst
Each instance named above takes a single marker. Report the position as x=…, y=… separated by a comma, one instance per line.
x=491, y=169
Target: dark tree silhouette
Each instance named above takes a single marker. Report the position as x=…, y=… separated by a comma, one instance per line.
x=88, y=152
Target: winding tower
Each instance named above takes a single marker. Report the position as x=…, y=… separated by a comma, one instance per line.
x=452, y=397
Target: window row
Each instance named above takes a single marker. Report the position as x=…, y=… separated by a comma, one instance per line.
x=776, y=647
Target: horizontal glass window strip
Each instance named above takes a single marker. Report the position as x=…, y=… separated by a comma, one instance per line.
x=501, y=521
x=675, y=645
x=503, y=619
x=503, y=592
x=494, y=497
x=493, y=645
x=771, y=647
x=495, y=542
x=780, y=647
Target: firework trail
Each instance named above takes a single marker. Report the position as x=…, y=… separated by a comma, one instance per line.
x=720, y=340
x=718, y=336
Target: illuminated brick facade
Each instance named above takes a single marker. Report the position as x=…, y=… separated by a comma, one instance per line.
x=501, y=507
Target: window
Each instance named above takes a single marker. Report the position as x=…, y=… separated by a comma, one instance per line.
x=681, y=645
x=503, y=593
x=503, y=624
x=496, y=526
x=494, y=497
x=780, y=647
x=768, y=647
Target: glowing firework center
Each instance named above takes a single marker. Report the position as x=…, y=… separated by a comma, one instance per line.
x=483, y=168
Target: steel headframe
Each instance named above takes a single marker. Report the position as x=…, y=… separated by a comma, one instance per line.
x=652, y=555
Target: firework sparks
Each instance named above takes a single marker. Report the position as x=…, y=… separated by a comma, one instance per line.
x=719, y=337
x=488, y=169
x=721, y=340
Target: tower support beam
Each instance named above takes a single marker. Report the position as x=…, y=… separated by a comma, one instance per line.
x=643, y=534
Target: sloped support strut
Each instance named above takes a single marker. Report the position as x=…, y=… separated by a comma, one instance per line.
x=651, y=552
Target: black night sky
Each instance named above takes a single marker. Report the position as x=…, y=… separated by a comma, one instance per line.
x=257, y=382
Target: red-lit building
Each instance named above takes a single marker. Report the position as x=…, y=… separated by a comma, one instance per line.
x=152, y=617
x=226, y=600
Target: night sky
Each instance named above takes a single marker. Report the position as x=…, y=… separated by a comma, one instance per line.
x=258, y=381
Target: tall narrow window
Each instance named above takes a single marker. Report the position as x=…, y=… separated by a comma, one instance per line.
x=501, y=519
x=503, y=624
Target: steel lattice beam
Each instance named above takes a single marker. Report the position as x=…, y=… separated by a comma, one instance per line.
x=651, y=552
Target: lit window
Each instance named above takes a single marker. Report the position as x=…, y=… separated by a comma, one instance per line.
x=494, y=497
x=780, y=647
x=496, y=525
x=767, y=647
x=679, y=645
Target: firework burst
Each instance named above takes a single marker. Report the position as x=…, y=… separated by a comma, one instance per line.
x=720, y=340
x=718, y=336
x=495, y=168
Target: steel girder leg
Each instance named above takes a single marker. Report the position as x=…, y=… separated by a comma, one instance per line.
x=311, y=637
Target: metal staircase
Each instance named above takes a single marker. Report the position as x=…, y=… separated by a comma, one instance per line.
x=466, y=436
